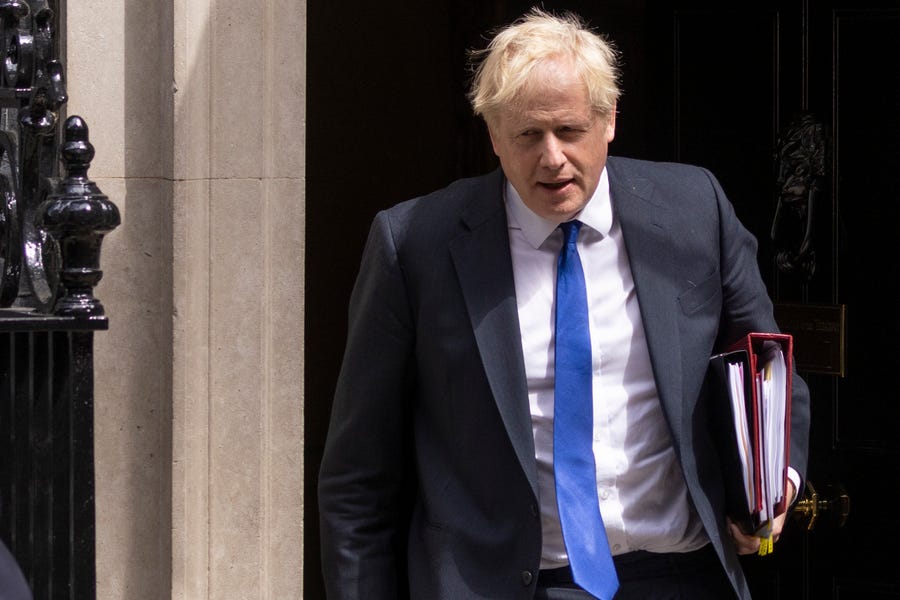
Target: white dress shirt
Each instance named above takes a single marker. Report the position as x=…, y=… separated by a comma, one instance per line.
x=643, y=497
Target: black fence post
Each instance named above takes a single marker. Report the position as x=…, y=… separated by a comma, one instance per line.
x=51, y=231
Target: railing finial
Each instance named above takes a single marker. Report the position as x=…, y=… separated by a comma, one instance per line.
x=78, y=215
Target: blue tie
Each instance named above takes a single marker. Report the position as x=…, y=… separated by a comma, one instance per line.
x=573, y=427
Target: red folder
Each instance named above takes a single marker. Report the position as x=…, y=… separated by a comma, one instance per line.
x=750, y=420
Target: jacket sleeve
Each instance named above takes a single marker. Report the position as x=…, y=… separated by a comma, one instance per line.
x=747, y=307
x=365, y=472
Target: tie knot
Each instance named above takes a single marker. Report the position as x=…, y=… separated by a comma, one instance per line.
x=570, y=230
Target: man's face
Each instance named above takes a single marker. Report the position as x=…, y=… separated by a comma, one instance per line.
x=551, y=144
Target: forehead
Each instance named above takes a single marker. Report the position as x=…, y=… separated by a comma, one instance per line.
x=550, y=95
x=551, y=105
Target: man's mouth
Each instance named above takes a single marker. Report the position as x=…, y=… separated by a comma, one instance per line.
x=555, y=185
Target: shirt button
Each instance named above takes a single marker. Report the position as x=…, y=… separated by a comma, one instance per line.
x=604, y=494
x=616, y=547
x=527, y=576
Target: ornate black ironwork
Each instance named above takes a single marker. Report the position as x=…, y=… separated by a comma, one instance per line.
x=77, y=216
x=32, y=96
x=47, y=448
x=51, y=230
x=801, y=166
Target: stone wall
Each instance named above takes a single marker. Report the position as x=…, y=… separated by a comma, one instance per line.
x=197, y=114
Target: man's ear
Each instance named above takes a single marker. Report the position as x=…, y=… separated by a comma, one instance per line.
x=611, y=125
x=493, y=137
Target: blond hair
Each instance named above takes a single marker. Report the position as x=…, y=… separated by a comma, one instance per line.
x=503, y=69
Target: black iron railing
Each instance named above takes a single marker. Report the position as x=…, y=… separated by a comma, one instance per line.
x=51, y=230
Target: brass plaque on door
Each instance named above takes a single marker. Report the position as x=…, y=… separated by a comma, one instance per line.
x=819, y=332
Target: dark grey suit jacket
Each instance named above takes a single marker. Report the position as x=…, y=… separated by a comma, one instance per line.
x=429, y=482
x=12, y=582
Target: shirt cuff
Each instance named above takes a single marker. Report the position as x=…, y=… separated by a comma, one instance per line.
x=794, y=476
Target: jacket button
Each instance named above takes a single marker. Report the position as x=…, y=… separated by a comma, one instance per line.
x=527, y=577
x=534, y=510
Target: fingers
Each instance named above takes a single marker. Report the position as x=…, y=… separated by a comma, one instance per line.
x=777, y=526
x=745, y=544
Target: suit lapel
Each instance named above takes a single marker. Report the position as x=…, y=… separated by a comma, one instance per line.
x=483, y=265
x=481, y=258
x=644, y=228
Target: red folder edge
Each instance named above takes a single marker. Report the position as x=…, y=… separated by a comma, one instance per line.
x=750, y=343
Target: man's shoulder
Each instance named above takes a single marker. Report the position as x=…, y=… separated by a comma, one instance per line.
x=428, y=222
x=455, y=195
x=634, y=167
x=677, y=179
x=468, y=201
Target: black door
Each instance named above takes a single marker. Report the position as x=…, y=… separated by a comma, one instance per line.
x=822, y=199
x=705, y=82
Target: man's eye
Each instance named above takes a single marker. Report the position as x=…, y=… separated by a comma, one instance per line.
x=571, y=134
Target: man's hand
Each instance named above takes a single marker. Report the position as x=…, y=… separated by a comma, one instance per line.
x=749, y=544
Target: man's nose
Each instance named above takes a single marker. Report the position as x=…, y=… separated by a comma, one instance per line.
x=552, y=154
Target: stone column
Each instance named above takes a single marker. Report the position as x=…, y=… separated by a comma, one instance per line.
x=197, y=112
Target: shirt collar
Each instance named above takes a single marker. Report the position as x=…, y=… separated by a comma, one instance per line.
x=596, y=214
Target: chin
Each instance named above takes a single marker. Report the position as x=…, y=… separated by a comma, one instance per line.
x=555, y=208
x=566, y=210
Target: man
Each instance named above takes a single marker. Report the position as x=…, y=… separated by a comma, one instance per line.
x=441, y=471
x=12, y=582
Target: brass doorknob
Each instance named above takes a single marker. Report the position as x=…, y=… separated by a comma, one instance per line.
x=830, y=503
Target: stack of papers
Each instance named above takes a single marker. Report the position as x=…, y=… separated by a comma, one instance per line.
x=751, y=423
